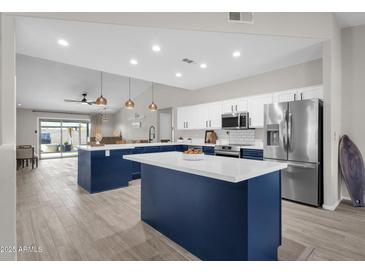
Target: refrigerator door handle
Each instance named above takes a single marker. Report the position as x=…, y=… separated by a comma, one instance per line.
x=290, y=131
x=294, y=164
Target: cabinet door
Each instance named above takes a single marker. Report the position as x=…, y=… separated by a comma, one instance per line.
x=200, y=116
x=256, y=110
x=215, y=116
x=311, y=92
x=192, y=112
x=285, y=96
x=181, y=118
x=241, y=105
x=227, y=106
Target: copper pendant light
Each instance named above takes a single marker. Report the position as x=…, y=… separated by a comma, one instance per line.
x=152, y=106
x=101, y=101
x=129, y=104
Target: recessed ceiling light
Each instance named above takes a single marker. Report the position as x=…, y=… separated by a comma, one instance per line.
x=236, y=54
x=63, y=42
x=203, y=65
x=19, y=105
x=156, y=48
x=178, y=74
x=133, y=62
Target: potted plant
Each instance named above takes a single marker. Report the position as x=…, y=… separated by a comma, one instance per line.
x=67, y=146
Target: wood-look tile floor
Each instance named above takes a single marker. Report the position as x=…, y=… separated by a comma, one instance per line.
x=53, y=213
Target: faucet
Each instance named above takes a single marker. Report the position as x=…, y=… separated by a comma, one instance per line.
x=151, y=134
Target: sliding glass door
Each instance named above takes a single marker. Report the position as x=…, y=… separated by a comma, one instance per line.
x=60, y=138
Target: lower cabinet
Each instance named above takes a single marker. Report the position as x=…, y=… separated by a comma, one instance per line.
x=252, y=154
x=208, y=150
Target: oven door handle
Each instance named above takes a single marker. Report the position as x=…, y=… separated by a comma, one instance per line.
x=227, y=153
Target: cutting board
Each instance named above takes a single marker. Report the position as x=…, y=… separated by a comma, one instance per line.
x=352, y=168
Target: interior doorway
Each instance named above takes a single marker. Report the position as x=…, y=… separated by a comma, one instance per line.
x=164, y=124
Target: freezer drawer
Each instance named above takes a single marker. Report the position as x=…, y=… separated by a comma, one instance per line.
x=301, y=183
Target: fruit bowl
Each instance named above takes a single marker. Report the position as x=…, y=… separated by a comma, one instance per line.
x=193, y=155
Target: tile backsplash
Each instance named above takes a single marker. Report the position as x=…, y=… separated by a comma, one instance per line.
x=242, y=137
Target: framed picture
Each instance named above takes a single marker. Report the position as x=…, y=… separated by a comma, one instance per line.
x=210, y=137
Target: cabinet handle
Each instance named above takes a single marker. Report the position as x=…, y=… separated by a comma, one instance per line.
x=210, y=123
x=295, y=96
x=301, y=96
x=206, y=123
x=236, y=107
x=232, y=108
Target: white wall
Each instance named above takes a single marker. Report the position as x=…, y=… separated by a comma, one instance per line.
x=165, y=96
x=27, y=124
x=353, y=87
x=301, y=75
x=7, y=137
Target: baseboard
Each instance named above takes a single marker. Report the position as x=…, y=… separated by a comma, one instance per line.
x=331, y=207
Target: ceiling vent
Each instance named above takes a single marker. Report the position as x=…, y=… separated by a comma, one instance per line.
x=240, y=17
x=188, y=61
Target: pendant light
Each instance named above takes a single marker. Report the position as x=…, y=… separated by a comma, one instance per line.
x=129, y=104
x=101, y=101
x=152, y=106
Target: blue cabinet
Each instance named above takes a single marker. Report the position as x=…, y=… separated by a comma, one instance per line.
x=167, y=148
x=181, y=147
x=252, y=154
x=208, y=150
x=98, y=172
x=151, y=149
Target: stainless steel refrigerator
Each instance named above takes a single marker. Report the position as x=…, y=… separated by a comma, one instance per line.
x=293, y=134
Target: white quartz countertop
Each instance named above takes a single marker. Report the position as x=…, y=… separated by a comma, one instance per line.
x=131, y=146
x=128, y=146
x=222, y=168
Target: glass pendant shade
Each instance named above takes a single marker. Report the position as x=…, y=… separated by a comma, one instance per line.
x=129, y=104
x=101, y=100
x=152, y=106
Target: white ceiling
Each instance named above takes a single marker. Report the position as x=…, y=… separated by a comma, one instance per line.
x=350, y=19
x=109, y=48
x=43, y=85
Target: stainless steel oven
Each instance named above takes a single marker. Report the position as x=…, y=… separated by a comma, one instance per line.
x=237, y=120
x=228, y=151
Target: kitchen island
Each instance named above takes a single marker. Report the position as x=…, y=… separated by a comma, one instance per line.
x=218, y=208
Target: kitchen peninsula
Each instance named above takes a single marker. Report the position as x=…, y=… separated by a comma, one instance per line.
x=218, y=208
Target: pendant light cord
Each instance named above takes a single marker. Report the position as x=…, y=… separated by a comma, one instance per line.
x=153, y=94
x=101, y=83
x=129, y=80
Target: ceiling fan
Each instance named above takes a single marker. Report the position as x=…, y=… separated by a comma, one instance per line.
x=82, y=101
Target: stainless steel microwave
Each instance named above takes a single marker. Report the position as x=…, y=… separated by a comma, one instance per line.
x=237, y=120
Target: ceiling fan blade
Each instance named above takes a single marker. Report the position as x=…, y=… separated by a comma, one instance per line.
x=91, y=102
x=72, y=101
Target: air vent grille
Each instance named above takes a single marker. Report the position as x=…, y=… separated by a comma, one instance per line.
x=241, y=17
x=187, y=60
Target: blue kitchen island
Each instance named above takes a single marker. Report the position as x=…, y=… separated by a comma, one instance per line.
x=218, y=208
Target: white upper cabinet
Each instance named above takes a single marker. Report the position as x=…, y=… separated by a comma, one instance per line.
x=209, y=116
x=204, y=116
x=310, y=93
x=235, y=105
x=256, y=110
x=285, y=96
x=214, y=116
x=298, y=94
x=186, y=117
x=228, y=106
